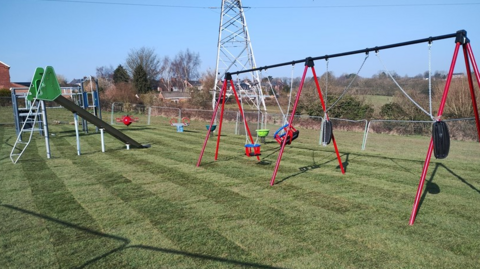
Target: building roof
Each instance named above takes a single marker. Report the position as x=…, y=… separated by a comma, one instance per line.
x=5, y=64
x=175, y=95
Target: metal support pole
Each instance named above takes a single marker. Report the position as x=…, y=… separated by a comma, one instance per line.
x=111, y=115
x=102, y=139
x=430, y=147
x=241, y=112
x=467, y=50
x=221, y=123
x=224, y=88
x=77, y=136
x=282, y=148
x=365, y=134
x=149, y=114
x=45, y=128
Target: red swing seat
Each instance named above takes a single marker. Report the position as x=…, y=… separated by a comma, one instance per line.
x=290, y=134
x=252, y=150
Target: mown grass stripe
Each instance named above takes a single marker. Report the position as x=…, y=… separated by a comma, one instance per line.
x=165, y=216
x=71, y=228
x=116, y=217
x=249, y=211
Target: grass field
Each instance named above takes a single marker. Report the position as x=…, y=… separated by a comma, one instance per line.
x=153, y=208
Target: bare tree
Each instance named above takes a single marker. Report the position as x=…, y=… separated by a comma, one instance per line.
x=62, y=80
x=147, y=58
x=105, y=72
x=104, y=75
x=166, y=71
x=185, y=65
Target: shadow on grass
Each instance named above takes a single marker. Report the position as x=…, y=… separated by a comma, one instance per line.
x=433, y=188
x=307, y=168
x=125, y=244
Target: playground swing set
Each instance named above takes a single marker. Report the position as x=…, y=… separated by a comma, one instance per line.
x=440, y=139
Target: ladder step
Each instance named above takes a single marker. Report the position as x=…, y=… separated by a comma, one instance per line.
x=30, y=114
x=32, y=130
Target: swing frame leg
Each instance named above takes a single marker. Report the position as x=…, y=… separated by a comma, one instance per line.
x=469, y=59
x=308, y=64
x=227, y=80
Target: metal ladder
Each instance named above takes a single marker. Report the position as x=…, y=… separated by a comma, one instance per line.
x=36, y=115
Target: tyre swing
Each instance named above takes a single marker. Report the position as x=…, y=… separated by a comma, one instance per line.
x=441, y=139
x=326, y=132
x=440, y=134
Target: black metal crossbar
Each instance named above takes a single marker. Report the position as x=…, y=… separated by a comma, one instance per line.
x=461, y=36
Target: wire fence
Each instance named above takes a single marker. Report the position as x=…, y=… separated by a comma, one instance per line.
x=233, y=123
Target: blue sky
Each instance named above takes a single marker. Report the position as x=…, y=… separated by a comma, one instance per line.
x=76, y=37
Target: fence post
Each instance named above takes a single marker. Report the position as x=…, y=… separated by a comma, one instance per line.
x=149, y=114
x=365, y=134
x=321, y=133
x=111, y=117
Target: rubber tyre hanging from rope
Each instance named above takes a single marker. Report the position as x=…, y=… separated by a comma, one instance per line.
x=441, y=139
x=327, y=132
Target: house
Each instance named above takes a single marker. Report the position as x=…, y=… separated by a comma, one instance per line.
x=5, y=77
x=177, y=85
x=174, y=96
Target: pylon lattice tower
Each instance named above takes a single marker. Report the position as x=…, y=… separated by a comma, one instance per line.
x=234, y=51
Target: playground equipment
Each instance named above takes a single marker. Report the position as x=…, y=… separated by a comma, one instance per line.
x=439, y=140
x=88, y=100
x=21, y=107
x=180, y=125
x=234, y=50
x=287, y=133
x=262, y=133
x=252, y=144
x=127, y=120
x=45, y=87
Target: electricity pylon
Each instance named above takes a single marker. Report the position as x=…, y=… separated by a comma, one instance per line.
x=234, y=51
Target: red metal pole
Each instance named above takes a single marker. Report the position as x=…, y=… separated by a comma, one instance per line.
x=277, y=165
x=324, y=110
x=244, y=119
x=221, y=122
x=430, y=147
x=224, y=88
x=467, y=51
x=421, y=183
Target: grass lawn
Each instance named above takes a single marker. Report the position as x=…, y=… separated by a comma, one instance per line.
x=153, y=208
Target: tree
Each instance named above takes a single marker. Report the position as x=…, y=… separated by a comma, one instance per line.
x=393, y=111
x=185, y=65
x=105, y=72
x=104, y=75
x=120, y=75
x=62, y=80
x=140, y=79
x=148, y=59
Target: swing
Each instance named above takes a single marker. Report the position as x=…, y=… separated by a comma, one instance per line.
x=252, y=150
x=289, y=134
x=441, y=139
x=327, y=132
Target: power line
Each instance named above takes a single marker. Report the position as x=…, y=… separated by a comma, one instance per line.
x=366, y=6
x=262, y=7
x=126, y=4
